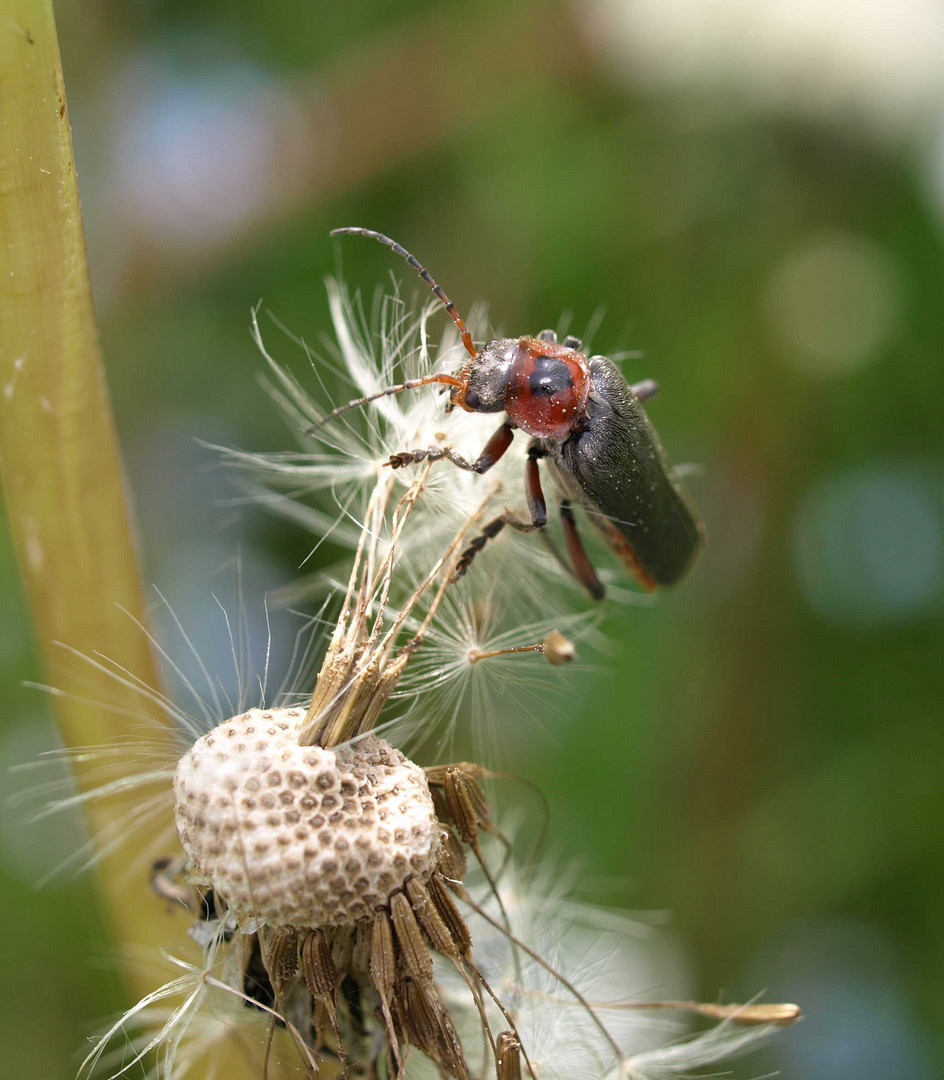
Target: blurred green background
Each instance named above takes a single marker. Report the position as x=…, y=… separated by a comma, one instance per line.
x=752, y=196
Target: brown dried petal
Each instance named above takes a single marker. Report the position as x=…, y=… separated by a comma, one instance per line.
x=436, y=774
x=466, y=804
x=453, y=1056
x=321, y=978
x=342, y=949
x=280, y=955
x=430, y=919
x=452, y=862
x=450, y=914
x=382, y=957
x=415, y=954
x=363, y=938
x=483, y=811
x=427, y=1025
x=419, y=1019
x=508, y=1057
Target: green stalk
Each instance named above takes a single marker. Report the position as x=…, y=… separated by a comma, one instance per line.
x=61, y=467
x=62, y=475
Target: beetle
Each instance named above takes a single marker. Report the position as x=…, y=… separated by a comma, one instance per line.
x=588, y=423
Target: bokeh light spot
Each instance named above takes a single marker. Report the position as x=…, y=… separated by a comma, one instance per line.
x=832, y=304
x=201, y=153
x=869, y=546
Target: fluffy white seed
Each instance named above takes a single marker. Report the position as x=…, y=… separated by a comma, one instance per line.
x=300, y=835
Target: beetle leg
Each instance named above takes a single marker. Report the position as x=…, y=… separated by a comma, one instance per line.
x=646, y=389
x=493, y=452
x=582, y=567
x=534, y=493
x=494, y=448
x=431, y=453
x=537, y=507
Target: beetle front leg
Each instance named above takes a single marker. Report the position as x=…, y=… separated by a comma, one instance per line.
x=537, y=507
x=493, y=452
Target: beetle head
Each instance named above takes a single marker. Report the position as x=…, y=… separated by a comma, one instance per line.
x=487, y=377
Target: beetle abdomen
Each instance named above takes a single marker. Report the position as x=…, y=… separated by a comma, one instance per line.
x=617, y=467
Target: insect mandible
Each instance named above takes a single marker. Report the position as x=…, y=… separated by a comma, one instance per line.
x=588, y=423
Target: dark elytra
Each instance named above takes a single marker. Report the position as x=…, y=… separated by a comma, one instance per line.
x=617, y=466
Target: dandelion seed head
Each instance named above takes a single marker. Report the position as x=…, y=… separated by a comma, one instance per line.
x=301, y=836
x=325, y=871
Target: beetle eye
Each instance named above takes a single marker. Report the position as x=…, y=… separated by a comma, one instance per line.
x=472, y=399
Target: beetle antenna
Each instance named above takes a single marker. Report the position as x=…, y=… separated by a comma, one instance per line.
x=424, y=274
x=410, y=384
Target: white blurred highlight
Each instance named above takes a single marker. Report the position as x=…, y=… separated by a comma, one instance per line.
x=877, y=60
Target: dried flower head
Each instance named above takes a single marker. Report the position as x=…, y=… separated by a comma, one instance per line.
x=322, y=844
x=355, y=911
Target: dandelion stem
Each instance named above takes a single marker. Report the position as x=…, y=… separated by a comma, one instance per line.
x=62, y=475
x=63, y=480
